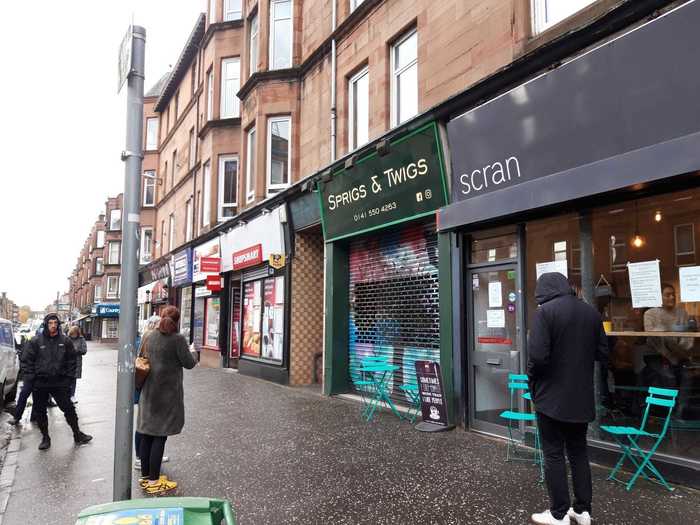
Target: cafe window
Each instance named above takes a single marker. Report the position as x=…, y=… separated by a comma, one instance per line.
x=263, y=319
x=640, y=255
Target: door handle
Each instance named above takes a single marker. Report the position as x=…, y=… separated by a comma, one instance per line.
x=493, y=361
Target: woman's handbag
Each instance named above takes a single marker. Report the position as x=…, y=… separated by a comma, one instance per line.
x=142, y=367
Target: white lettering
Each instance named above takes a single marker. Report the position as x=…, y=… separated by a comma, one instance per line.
x=422, y=167
x=478, y=179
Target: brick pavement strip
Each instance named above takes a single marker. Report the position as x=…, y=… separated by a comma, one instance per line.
x=284, y=455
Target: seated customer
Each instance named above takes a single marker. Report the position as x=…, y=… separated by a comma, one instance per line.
x=675, y=350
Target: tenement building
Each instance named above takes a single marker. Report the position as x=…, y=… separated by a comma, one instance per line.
x=341, y=182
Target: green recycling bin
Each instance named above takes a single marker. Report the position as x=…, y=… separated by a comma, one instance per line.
x=160, y=511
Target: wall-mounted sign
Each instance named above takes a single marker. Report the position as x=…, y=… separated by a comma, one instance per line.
x=380, y=190
x=251, y=256
x=432, y=397
x=182, y=267
x=277, y=260
x=200, y=291
x=210, y=265
x=208, y=249
x=265, y=230
x=107, y=310
x=214, y=283
x=154, y=272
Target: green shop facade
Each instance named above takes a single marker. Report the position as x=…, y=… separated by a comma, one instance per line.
x=387, y=269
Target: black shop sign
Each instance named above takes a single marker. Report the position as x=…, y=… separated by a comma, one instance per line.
x=405, y=183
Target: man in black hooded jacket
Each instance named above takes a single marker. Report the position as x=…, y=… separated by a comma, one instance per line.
x=566, y=338
x=50, y=364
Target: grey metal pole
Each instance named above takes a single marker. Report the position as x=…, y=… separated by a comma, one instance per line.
x=124, y=419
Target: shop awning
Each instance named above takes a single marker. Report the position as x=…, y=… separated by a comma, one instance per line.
x=81, y=318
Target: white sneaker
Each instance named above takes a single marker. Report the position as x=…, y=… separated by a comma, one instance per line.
x=582, y=519
x=137, y=464
x=165, y=459
x=546, y=518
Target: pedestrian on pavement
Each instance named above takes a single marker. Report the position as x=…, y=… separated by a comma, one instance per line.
x=27, y=385
x=162, y=407
x=50, y=363
x=151, y=324
x=81, y=348
x=566, y=339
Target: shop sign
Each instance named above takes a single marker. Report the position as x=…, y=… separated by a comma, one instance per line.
x=214, y=283
x=432, y=397
x=265, y=230
x=211, y=264
x=107, y=310
x=182, y=267
x=201, y=291
x=277, y=260
x=532, y=135
x=251, y=256
x=381, y=190
x=208, y=249
x=160, y=270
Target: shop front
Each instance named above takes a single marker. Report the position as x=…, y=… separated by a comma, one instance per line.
x=106, y=321
x=154, y=290
x=254, y=260
x=383, y=262
x=181, y=268
x=590, y=170
x=207, y=305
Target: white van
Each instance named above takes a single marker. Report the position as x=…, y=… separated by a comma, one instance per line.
x=9, y=363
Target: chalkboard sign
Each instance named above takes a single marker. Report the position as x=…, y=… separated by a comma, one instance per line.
x=432, y=397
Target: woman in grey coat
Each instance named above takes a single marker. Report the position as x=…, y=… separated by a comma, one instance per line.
x=80, y=347
x=162, y=407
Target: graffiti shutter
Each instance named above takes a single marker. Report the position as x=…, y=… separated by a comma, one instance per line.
x=394, y=301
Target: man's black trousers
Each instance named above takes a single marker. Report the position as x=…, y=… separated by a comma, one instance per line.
x=556, y=436
x=61, y=395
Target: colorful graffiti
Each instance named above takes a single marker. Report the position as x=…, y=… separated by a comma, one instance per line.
x=394, y=301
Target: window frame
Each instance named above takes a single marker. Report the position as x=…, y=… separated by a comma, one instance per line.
x=151, y=145
x=271, y=46
x=228, y=10
x=394, y=98
x=111, y=220
x=352, y=107
x=223, y=107
x=276, y=188
x=251, y=165
x=146, y=255
x=173, y=169
x=97, y=297
x=254, y=44
x=212, y=11
x=171, y=232
x=192, y=149
x=354, y=4
x=538, y=13
x=109, y=294
x=189, y=208
x=221, y=173
x=99, y=265
x=99, y=238
x=206, y=194
x=210, y=94
x=677, y=254
x=109, y=252
x=149, y=180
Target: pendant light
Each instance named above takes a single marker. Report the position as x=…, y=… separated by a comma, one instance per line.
x=637, y=240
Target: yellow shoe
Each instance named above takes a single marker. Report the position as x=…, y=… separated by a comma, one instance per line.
x=143, y=480
x=164, y=485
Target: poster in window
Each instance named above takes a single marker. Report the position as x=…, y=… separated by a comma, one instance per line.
x=211, y=339
x=186, y=312
x=251, y=330
x=273, y=319
x=235, y=320
x=198, y=328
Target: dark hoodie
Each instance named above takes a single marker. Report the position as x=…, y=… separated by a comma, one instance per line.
x=566, y=338
x=50, y=361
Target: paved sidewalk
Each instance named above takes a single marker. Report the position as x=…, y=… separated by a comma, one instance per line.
x=284, y=455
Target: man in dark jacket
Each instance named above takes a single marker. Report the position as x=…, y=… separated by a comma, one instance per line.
x=49, y=364
x=566, y=338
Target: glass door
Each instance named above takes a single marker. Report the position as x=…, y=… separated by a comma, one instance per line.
x=494, y=343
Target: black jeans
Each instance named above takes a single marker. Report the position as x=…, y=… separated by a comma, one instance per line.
x=24, y=394
x=555, y=435
x=61, y=395
x=152, y=448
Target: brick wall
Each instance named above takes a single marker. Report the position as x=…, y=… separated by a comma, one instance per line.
x=307, y=307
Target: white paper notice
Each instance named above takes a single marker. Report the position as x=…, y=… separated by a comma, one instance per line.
x=496, y=318
x=645, y=284
x=553, y=266
x=495, y=296
x=690, y=283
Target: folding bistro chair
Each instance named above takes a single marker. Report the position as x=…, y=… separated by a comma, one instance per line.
x=411, y=391
x=518, y=388
x=628, y=437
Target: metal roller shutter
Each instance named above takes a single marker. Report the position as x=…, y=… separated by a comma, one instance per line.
x=394, y=301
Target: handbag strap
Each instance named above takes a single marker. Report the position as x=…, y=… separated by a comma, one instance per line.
x=142, y=352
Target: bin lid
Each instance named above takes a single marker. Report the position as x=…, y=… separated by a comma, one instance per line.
x=152, y=511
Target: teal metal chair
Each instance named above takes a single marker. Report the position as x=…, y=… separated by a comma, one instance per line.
x=518, y=389
x=628, y=438
x=411, y=391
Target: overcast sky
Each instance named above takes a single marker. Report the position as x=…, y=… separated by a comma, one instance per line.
x=63, y=126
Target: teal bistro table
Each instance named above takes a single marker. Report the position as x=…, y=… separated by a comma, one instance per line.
x=379, y=374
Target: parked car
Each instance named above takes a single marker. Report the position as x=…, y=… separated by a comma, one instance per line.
x=9, y=363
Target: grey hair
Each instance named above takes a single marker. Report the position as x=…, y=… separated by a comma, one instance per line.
x=153, y=322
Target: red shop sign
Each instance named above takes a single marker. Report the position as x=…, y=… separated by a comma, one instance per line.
x=249, y=257
x=214, y=283
x=495, y=341
x=210, y=265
